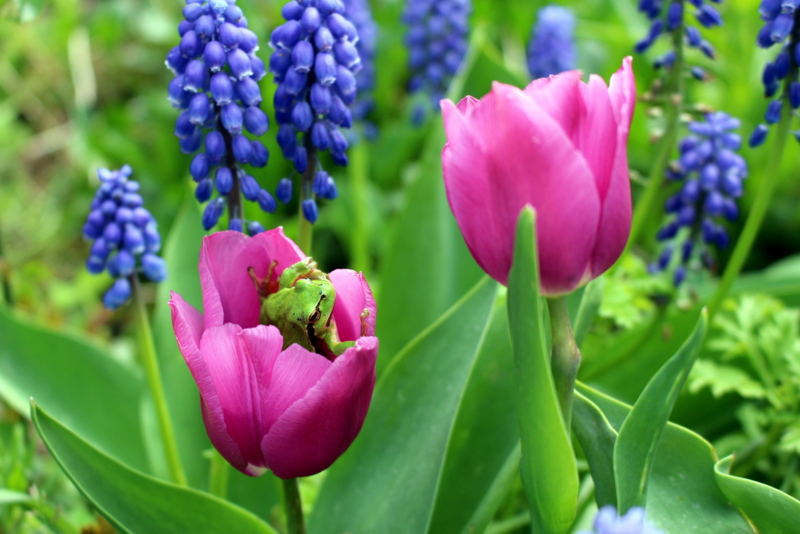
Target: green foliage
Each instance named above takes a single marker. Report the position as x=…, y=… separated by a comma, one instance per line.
x=628, y=293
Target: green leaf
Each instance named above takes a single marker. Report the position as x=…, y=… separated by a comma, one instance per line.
x=133, y=502
x=640, y=433
x=724, y=379
x=683, y=496
x=770, y=510
x=13, y=497
x=590, y=305
x=94, y=393
x=397, y=465
x=597, y=438
x=548, y=469
x=429, y=275
x=181, y=253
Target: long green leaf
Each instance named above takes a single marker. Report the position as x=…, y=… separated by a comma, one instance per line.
x=86, y=387
x=638, y=438
x=387, y=481
x=597, y=438
x=683, y=496
x=770, y=510
x=133, y=502
x=549, y=472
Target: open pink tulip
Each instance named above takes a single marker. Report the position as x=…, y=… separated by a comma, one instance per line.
x=292, y=411
x=559, y=145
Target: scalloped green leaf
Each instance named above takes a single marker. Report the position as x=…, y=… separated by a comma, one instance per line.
x=134, y=502
x=548, y=468
x=769, y=509
x=636, y=445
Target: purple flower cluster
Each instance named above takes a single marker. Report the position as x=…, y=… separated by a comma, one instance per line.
x=712, y=174
x=608, y=522
x=360, y=14
x=781, y=26
x=670, y=20
x=437, y=43
x=124, y=235
x=216, y=85
x=552, y=46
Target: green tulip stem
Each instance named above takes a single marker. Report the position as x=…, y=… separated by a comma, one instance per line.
x=150, y=363
x=566, y=358
x=293, y=506
x=756, y=217
x=218, y=475
x=675, y=85
x=305, y=229
x=359, y=174
x=5, y=282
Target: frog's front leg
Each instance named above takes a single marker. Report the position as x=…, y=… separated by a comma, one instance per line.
x=339, y=348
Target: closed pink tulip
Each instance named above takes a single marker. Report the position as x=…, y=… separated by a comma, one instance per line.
x=559, y=145
x=291, y=411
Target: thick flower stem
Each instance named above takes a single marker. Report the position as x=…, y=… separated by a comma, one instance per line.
x=359, y=173
x=4, y=276
x=304, y=227
x=644, y=207
x=293, y=506
x=150, y=363
x=566, y=358
x=218, y=475
x=757, y=212
x=235, y=204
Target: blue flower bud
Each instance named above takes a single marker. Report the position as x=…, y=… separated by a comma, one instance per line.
x=250, y=187
x=254, y=228
x=259, y=156
x=300, y=159
x=215, y=146
x=693, y=36
x=192, y=143
x=231, y=116
x=310, y=211
x=239, y=63
x=229, y=35
x=248, y=92
x=191, y=45
x=205, y=27
x=311, y=19
x=320, y=136
x=204, y=190
x=175, y=61
x=708, y=16
x=324, y=39
x=346, y=54
x=266, y=202
x=122, y=264
x=214, y=56
x=338, y=142
x=680, y=273
x=192, y=12
x=177, y=95
x=199, y=167
x=794, y=94
x=782, y=27
x=295, y=81
x=759, y=136
x=303, y=57
x=242, y=149
x=674, y=16
x=292, y=11
x=221, y=89
x=199, y=109
x=118, y=294
x=291, y=32
x=249, y=43
x=280, y=61
x=773, y=113
x=782, y=65
x=233, y=14
x=224, y=181
x=213, y=212
x=95, y=264
x=141, y=216
x=154, y=268
x=321, y=99
x=112, y=234
x=284, y=190
x=302, y=116
x=236, y=225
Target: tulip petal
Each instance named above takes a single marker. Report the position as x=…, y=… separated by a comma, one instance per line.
x=229, y=295
x=235, y=381
x=622, y=91
x=188, y=325
x=511, y=154
x=294, y=373
x=353, y=296
x=310, y=435
x=560, y=97
x=467, y=104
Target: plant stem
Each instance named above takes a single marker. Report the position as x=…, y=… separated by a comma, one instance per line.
x=218, y=475
x=150, y=362
x=757, y=212
x=235, y=204
x=644, y=206
x=293, y=506
x=359, y=173
x=304, y=227
x=566, y=358
x=4, y=275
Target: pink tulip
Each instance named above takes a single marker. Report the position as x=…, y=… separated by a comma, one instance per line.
x=559, y=145
x=292, y=411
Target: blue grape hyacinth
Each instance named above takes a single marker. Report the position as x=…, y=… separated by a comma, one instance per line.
x=608, y=522
x=668, y=18
x=552, y=47
x=315, y=62
x=216, y=85
x=436, y=38
x=712, y=176
x=124, y=236
x=781, y=27
x=360, y=14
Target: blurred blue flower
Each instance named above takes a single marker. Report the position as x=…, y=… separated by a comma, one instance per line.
x=552, y=47
x=315, y=63
x=124, y=235
x=436, y=38
x=216, y=85
x=360, y=14
x=712, y=175
x=608, y=522
x=672, y=19
x=782, y=27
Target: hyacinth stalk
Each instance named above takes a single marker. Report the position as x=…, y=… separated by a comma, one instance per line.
x=552, y=48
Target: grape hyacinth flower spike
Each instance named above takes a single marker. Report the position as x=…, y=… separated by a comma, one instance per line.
x=608, y=522
x=315, y=61
x=552, y=47
x=436, y=38
x=671, y=21
x=124, y=236
x=360, y=14
x=712, y=174
x=216, y=86
x=781, y=27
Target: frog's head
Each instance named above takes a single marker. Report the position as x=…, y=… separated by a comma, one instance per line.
x=312, y=303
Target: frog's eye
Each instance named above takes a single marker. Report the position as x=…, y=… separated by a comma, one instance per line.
x=314, y=317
